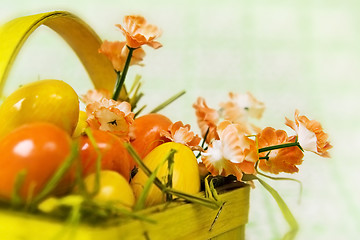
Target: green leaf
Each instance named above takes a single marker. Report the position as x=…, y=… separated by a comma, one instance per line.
x=294, y=227
x=284, y=179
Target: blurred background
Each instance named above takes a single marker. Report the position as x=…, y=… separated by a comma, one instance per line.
x=300, y=54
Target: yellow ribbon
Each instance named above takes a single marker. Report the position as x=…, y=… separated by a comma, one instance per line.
x=82, y=39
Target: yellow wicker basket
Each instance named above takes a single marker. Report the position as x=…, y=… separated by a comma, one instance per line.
x=174, y=221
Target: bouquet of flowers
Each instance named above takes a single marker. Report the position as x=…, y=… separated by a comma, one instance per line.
x=113, y=160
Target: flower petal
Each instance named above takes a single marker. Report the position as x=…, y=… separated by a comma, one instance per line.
x=233, y=153
x=240, y=107
x=310, y=134
x=279, y=160
x=180, y=133
x=138, y=32
x=117, y=52
x=95, y=96
x=207, y=118
x=307, y=138
x=110, y=115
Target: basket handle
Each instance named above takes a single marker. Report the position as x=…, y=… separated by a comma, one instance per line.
x=81, y=38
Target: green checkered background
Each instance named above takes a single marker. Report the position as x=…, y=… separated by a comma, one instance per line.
x=299, y=54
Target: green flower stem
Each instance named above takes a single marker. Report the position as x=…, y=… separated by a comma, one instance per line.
x=191, y=198
x=203, y=142
x=121, y=76
x=205, y=136
x=118, y=85
x=167, y=102
x=285, y=145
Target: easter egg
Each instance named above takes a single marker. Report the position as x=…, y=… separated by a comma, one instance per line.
x=113, y=188
x=52, y=101
x=38, y=150
x=185, y=174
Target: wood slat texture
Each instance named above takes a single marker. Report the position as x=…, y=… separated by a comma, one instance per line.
x=175, y=221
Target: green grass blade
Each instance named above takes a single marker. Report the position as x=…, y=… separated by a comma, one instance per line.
x=88, y=132
x=290, y=219
x=15, y=195
x=191, y=198
x=140, y=203
x=169, y=184
x=167, y=102
x=58, y=175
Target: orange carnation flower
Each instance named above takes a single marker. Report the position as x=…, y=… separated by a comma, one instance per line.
x=207, y=118
x=117, y=53
x=138, y=32
x=233, y=153
x=110, y=115
x=279, y=160
x=240, y=107
x=95, y=95
x=180, y=133
x=311, y=135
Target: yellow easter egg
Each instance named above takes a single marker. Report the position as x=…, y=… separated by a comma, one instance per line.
x=185, y=176
x=113, y=189
x=81, y=125
x=52, y=101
